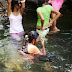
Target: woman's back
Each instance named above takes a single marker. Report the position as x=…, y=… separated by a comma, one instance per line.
x=46, y=10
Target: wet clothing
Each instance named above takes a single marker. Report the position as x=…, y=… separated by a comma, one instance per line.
x=46, y=10
x=42, y=33
x=17, y=35
x=15, y=23
x=30, y=49
x=57, y=4
x=33, y=49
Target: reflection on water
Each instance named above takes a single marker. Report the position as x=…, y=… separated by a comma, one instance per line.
x=58, y=48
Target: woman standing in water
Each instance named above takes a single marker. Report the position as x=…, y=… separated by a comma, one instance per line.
x=29, y=50
x=56, y=4
x=43, y=13
x=15, y=17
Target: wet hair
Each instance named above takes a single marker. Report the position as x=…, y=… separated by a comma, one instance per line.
x=28, y=38
x=13, y=3
x=32, y=35
x=40, y=2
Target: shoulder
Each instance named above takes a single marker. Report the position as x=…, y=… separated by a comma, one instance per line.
x=49, y=6
x=39, y=9
x=31, y=48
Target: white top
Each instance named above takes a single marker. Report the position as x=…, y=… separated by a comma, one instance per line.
x=15, y=23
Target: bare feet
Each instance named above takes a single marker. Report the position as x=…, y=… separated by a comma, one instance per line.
x=54, y=30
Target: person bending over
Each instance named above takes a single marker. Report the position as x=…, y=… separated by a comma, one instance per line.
x=43, y=15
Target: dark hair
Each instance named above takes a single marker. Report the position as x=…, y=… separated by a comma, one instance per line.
x=49, y=4
x=28, y=38
x=40, y=2
x=13, y=3
x=32, y=35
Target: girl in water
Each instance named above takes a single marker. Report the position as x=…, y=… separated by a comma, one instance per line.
x=15, y=17
x=43, y=14
x=56, y=4
x=29, y=50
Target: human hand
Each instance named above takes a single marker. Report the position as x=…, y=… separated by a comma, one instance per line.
x=42, y=41
x=41, y=28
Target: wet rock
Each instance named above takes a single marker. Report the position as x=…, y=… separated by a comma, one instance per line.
x=3, y=11
x=1, y=27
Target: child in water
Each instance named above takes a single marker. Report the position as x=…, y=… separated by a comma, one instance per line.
x=15, y=17
x=56, y=4
x=29, y=49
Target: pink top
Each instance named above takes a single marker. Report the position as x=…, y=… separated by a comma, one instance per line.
x=57, y=4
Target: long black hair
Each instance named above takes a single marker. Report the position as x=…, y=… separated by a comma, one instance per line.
x=40, y=2
x=13, y=3
x=28, y=39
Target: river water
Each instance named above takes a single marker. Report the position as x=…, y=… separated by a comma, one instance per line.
x=58, y=46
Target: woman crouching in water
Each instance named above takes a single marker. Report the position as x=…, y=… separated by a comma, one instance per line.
x=29, y=50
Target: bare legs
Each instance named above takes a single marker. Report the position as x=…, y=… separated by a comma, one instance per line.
x=53, y=27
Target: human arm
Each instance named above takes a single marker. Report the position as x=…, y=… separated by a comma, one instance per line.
x=42, y=19
x=43, y=49
x=22, y=7
x=58, y=14
x=9, y=7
